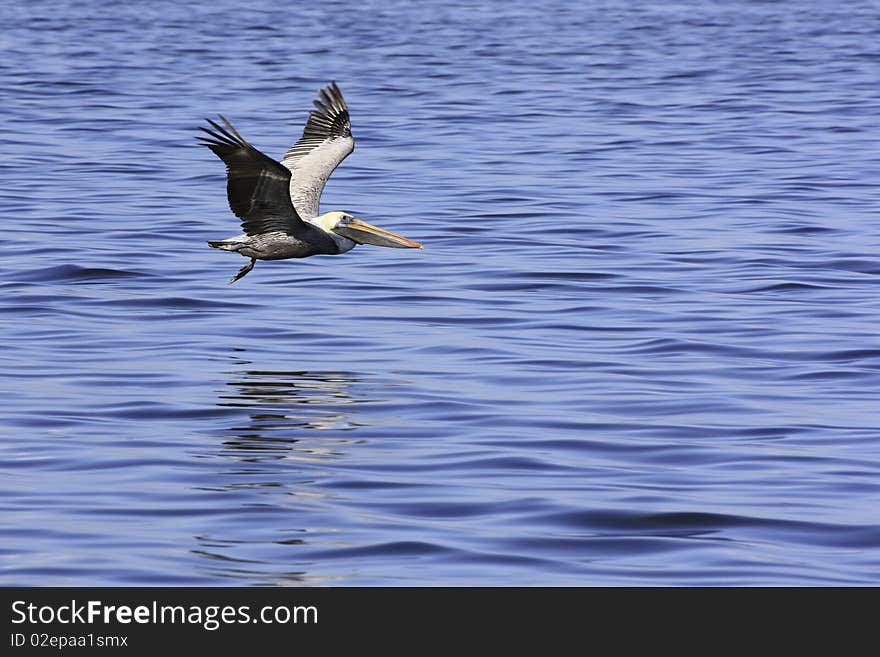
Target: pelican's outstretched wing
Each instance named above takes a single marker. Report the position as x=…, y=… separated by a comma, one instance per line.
x=257, y=185
x=325, y=142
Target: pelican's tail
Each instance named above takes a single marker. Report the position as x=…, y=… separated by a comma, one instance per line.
x=226, y=245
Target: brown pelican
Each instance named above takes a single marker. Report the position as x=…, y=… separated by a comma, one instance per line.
x=278, y=202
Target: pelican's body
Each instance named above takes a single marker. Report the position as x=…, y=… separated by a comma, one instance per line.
x=278, y=245
x=278, y=202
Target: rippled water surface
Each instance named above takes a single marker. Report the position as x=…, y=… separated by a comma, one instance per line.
x=641, y=346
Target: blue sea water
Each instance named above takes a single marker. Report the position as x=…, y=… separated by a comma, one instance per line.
x=641, y=346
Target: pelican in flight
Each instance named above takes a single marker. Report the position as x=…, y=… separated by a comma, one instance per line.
x=278, y=202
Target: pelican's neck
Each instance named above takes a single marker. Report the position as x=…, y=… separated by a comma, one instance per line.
x=327, y=222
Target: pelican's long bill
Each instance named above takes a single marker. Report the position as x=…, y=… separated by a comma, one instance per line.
x=361, y=232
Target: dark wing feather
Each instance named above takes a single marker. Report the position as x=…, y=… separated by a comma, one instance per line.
x=325, y=142
x=257, y=186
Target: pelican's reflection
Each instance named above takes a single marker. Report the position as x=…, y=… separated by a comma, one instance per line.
x=284, y=407
x=285, y=438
